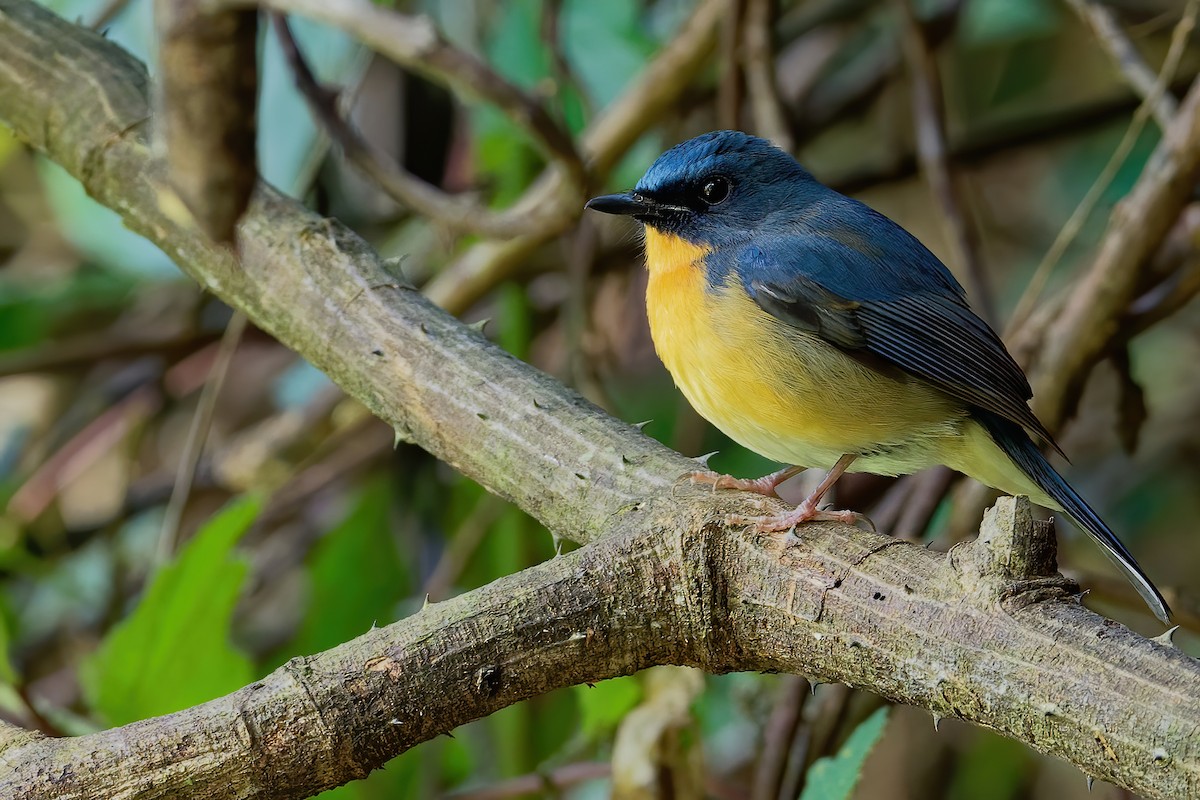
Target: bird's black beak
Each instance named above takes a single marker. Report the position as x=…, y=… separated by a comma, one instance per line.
x=626, y=204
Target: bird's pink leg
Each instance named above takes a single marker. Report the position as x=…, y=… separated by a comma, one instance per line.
x=765, y=485
x=807, y=510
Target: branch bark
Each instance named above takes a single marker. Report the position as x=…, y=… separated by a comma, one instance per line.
x=979, y=635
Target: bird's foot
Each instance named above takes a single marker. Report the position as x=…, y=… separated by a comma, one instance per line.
x=765, y=485
x=805, y=512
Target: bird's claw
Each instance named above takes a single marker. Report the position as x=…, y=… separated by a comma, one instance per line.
x=788, y=521
x=765, y=485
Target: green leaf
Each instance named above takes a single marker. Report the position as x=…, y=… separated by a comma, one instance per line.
x=989, y=22
x=173, y=650
x=834, y=777
x=604, y=705
x=606, y=45
x=8, y=675
x=995, y=768
x=356, y=576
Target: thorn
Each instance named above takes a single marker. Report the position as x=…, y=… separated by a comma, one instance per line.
x=812, y=687
x=479, y=325
x=426, y=604
x=401, y=436
x=451, y=735
x=1091, y=781
x=395, y=266
x=642, y=424
x=937, y=721
x=703, y=460
x=558, y=544
x=394, y=721
x=374, y=625
x=1080, y=595
x=1167, y=637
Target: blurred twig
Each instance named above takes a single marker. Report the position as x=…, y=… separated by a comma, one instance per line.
x=455, y=213
x=770, y=121
x=89, y=348
x=1077, y=219
x=1136, y=230
x=550, y=783
x=1127, y=59
x=777, y=737
x=461, y=546
x=197, y=434
x=604, y=141
x=729, y=89
x=111, y=10
x=415, y=43
x=208, y=71
x=929, y=120
x=651, y=748
x=81, y=451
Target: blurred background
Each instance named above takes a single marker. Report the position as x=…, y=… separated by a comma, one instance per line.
x=134, y=407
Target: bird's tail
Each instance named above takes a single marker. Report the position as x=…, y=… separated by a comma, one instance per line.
x=1017, y=445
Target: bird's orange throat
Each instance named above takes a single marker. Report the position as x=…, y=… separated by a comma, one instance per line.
x=675, y=294
x=666, y=253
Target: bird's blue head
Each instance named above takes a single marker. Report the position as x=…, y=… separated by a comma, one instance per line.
x=716, y=188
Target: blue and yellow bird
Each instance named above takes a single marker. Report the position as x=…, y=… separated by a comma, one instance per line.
x=815, y=331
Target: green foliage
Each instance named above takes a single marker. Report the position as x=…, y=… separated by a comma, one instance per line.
x=1004, y=21
x=31, y=313
x=602, y=706
x=8, y=675
x=356, y=576
x=173, y=650
x=834, y=777
x=605, y=45
x=994, y=769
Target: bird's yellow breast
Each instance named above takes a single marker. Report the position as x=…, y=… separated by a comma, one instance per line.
x=779, y=391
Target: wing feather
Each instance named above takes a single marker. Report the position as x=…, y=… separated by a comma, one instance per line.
x=920, y=326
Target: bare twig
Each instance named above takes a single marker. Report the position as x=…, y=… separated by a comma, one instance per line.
x=1077, y=219
x=1126, y=58
x=932, y=154
x=415, y=43
x=778, y=735
x=770, y=121
x=551, y=782
x=81, y=451
x=455, y=213
x=208, y=69
x=729, y=90
x=1137, y=227
x=193, y=447
x=111, y=10
x=608, y=138
x=88, y=349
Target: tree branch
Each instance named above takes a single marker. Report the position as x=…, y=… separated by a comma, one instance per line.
x=979, y=635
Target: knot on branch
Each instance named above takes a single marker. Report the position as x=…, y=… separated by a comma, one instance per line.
x=1015, y=558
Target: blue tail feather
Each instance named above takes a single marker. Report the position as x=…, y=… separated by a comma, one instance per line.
x=1017, y=445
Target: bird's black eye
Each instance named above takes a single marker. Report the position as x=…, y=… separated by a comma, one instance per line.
x=715, y=190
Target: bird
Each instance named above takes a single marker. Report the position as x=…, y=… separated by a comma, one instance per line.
x=817, y=332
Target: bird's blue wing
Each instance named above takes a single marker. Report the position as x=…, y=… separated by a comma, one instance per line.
x=902, y=307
